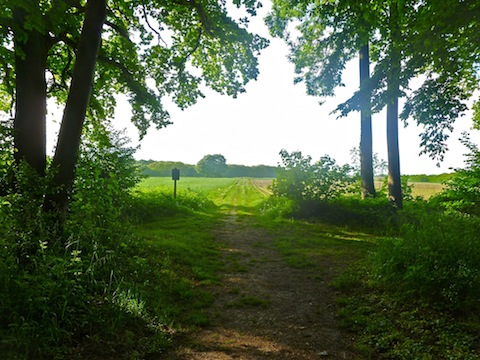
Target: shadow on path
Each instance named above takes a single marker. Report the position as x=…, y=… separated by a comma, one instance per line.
x=266, y=309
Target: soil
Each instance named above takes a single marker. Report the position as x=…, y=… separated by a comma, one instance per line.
x=266, y=309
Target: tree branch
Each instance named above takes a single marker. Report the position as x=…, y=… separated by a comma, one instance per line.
x=122, y=31
x=145, y=16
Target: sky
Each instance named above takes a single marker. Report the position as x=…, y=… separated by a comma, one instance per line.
x=275, y=114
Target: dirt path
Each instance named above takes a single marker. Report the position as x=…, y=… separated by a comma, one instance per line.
x=265, y=308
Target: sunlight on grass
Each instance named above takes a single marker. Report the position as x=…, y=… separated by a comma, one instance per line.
x=426, y=190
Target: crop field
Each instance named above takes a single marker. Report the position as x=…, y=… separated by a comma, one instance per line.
x=426, y=190
x=207, y=186
x=196, y=184
x=204, y=186
x=421, y=189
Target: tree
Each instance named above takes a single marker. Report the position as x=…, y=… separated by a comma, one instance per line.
x=83, y=53
x=446, y=42
x=212, y=165
x=331, y=34
x=366, y=147
x=408, y=39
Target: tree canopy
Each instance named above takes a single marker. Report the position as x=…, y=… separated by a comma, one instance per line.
x=433, y=42
x=212, y=165
x=148, y=50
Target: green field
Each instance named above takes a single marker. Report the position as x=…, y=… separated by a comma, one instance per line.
x=421, y=189
x=196, y=184
x=208, y=186
x=372, y=315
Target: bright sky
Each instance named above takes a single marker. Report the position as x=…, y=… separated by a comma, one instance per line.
x=275, y=114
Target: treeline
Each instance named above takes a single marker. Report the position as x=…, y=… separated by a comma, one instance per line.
x=164, y=168
x=439, y=178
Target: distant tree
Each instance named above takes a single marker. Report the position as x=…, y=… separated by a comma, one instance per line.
x=257, y=171
x=164, y=168
x=212, y=165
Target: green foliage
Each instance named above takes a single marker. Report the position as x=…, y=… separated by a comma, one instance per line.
x=379, y=165
x=6, y=156
x=164, y=168
x=57, y=284
x=386, y=327
x=148, y=204
x=435, y=260
x=106, y=171
x=134, y=48
x=300, y=180
x=462, y=190
x=258, y=171
x=212, y=165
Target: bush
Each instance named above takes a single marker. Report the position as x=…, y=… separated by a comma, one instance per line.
x=462, y=191
x=57, y=283
x=300, y=180
x=435, y=260
x=148, y=205
x=375, y=215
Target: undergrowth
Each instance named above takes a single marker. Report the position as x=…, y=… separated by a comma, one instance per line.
x=126, y=270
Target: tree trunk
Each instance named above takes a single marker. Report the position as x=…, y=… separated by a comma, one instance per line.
x=393, y=89
x=394, y=179
x=30, y=96
x=66, y=152
x=366, y=151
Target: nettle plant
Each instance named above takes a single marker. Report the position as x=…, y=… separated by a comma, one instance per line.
x=299, y=179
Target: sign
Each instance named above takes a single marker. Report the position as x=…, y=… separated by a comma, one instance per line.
x=175, y=177
x=175, y=174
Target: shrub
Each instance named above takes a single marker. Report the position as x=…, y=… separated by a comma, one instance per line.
x=52, y=282
x=300, y=180
x=462, y=191
x=434, y=260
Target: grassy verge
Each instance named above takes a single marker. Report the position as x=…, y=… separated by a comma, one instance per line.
x=307, y=245
x=175, y=258
x=166, y=271
x=386, y=327
x=413, y=295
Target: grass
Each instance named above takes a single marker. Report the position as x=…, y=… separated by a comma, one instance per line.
x=306, y=244
x=422, y=189
x=176, y=260
x=426, y=190
x=205, y=186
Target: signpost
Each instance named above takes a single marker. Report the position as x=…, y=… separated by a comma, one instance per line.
x=175, y=177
